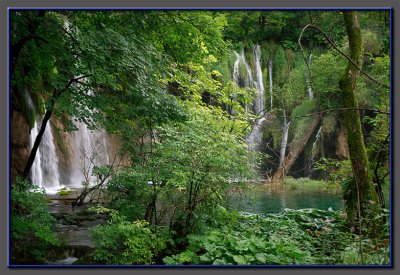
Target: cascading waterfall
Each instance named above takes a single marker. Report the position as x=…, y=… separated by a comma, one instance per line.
x=236, y=73
x=90, y=149
x=284, y=141
x=249, y=82
x=242, y=81
x=270, y=83
x=308, y=81
x=44, y=171
x=314, y=151
x=254, y=139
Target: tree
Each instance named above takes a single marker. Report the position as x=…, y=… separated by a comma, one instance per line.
x=365, y=193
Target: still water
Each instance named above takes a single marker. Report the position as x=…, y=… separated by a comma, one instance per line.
x=271, y=201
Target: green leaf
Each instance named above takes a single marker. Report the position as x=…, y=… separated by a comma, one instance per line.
x=239, y=259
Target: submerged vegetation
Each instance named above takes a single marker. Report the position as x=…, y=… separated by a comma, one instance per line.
x=162, y=117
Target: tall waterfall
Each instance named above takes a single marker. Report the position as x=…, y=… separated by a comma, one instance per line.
x=90, y=148
x=242, y=81
x=284, y=140
x=254, y=139
x=314, y=151
x=270, y=83
x=44, y=171
x=308, y=80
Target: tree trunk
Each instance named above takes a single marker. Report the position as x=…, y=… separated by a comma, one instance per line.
x=358, y=155
x=296, y=147
x=35, y=147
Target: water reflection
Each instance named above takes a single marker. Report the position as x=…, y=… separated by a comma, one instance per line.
x=270, y=201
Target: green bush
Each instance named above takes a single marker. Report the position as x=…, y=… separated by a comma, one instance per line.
x=125, y=243
x=30, y=222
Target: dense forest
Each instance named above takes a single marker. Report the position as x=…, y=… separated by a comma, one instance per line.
x=174, y=137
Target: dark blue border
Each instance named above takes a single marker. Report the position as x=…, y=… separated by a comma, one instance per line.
x=9, y=265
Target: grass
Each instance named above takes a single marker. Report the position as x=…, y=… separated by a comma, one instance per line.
x=65, y=191
x=310, y=184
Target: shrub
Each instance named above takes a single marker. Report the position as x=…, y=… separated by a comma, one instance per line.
x=30, y=222
x=125, y=243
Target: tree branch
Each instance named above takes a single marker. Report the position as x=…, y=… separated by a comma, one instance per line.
x=342, y=109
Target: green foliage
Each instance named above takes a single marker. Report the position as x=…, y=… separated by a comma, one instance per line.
x=190, y=167
x=302, y=118
x=124, y=242
x=306, y=236
x=294, y=90
x=371, y=44
x=336, y=171
x=30, y=222
x=326, y=71
x=329, y=124
x=308, y=184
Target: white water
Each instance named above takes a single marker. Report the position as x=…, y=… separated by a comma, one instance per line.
x=308, y=82
x=236, y=73
x=249, y=82
x=270, y=83
x=242, y=81
x=284, y=141
x=90, y=149
x=314, y=151
x=44, y=171
x=254, y=139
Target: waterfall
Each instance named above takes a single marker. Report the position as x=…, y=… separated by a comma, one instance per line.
x=308, y=77
x=249, y=82
x=90, y=149
x=284, y=141
x=44, y=171
x=270, y=82
x=314, y=151
x=254, y=139
x=242, y=81
x=259, y=100
x=236, y=73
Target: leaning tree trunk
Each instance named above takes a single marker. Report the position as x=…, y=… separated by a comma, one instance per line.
x=296, y=147
x=365, y=194
x=38, y=139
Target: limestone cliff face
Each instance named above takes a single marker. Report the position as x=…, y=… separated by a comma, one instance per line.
x=19, y=144
x=342, y=148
